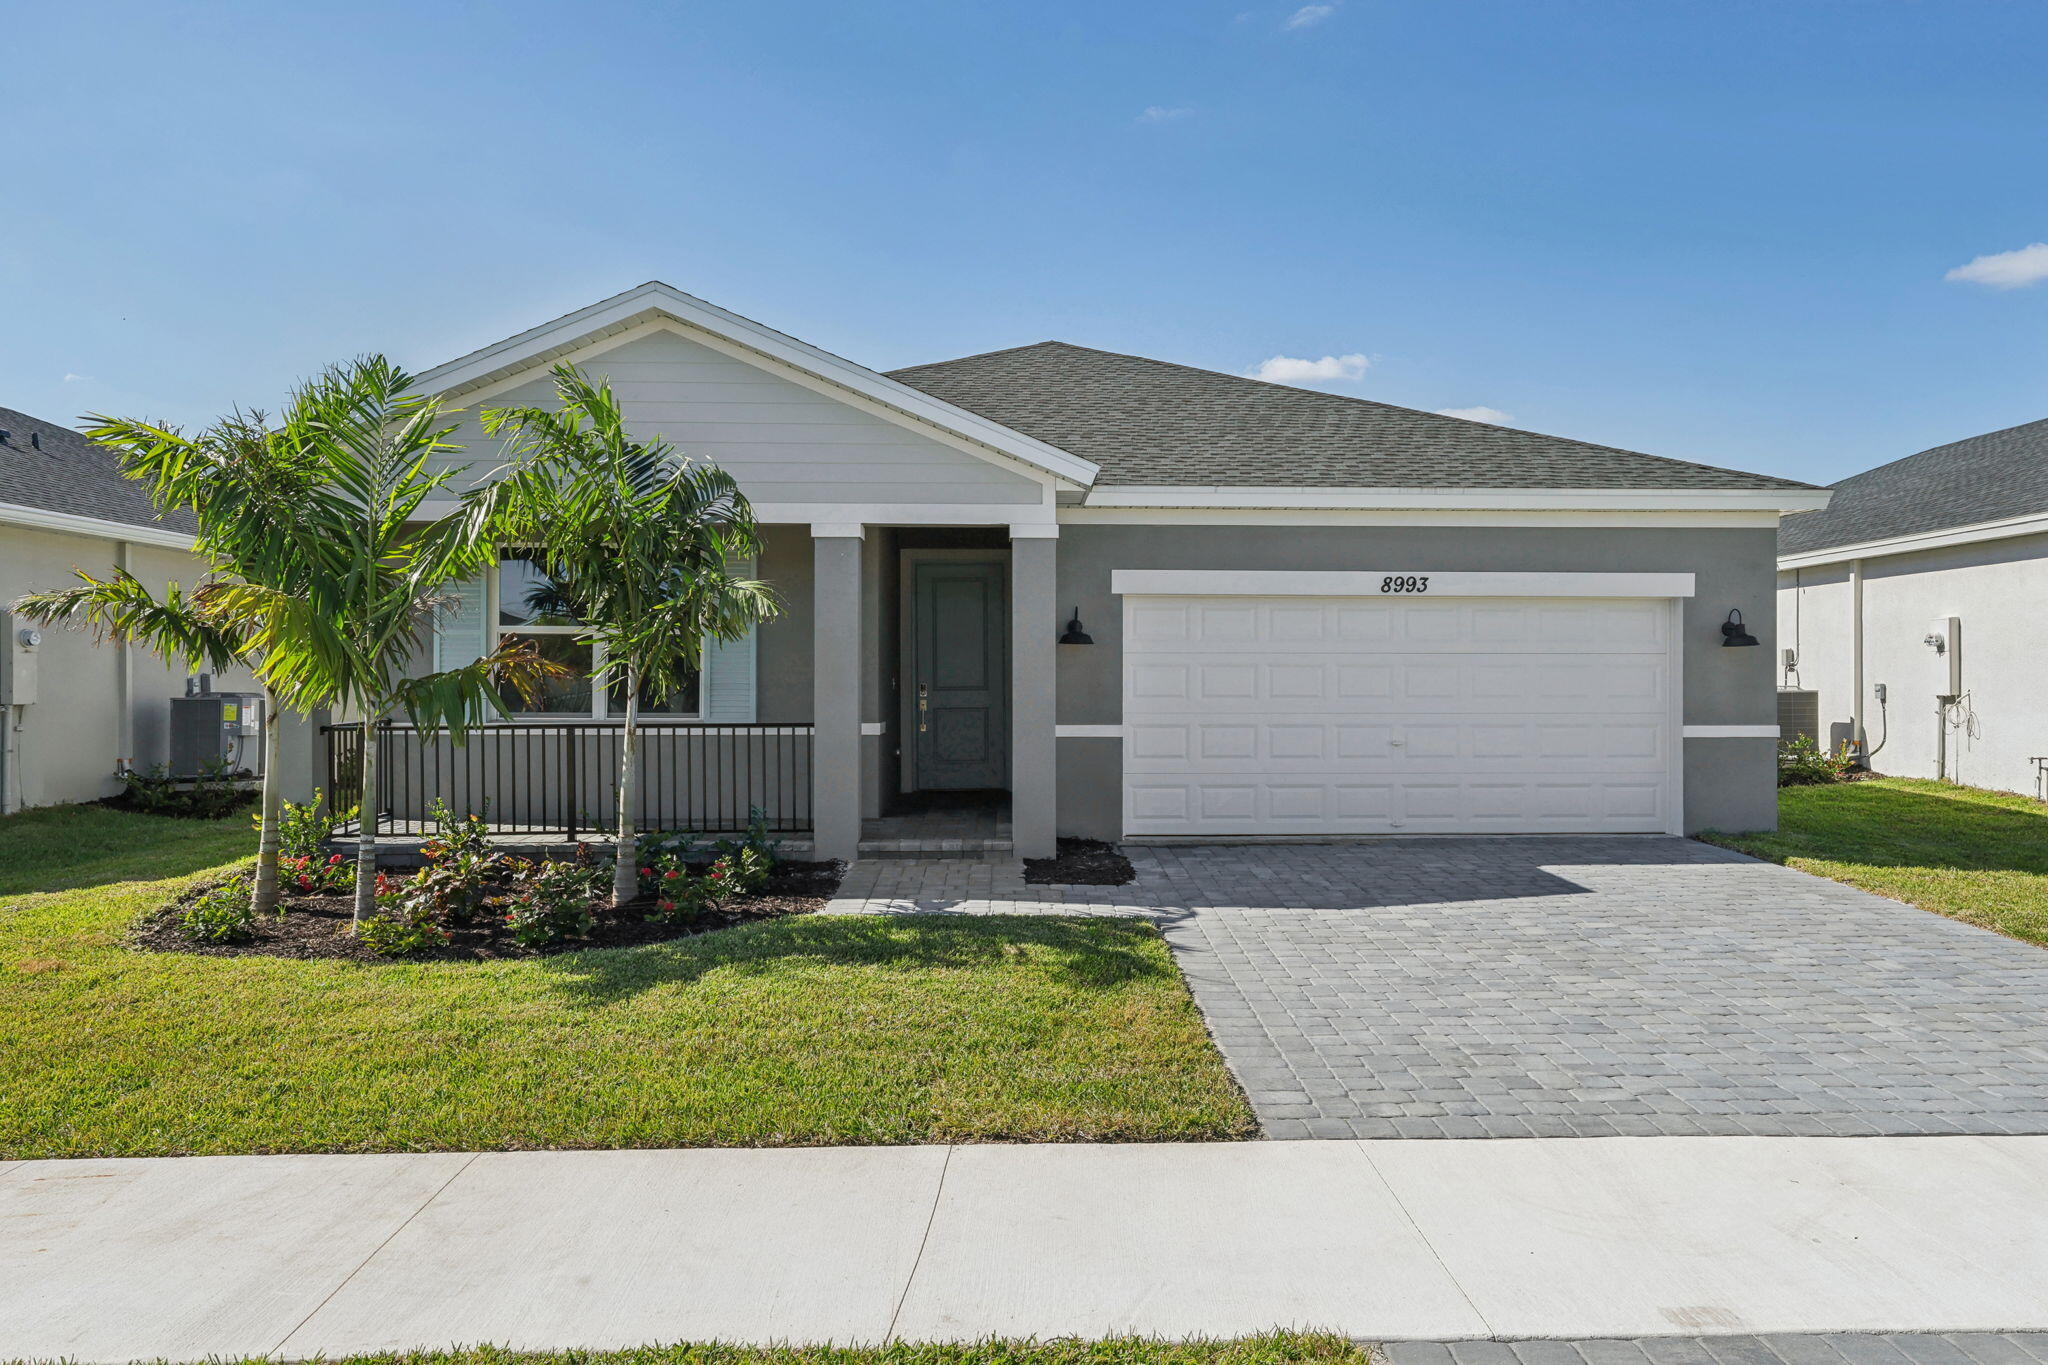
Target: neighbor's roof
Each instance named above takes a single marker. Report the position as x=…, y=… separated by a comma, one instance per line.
x=54, y=469
x=1149, y=422
x=1985, y=478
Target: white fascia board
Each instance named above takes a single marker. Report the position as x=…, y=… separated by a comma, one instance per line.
x=1407, y=516
x=43, y=519
x=1369, y=583
x=2004, y=529
x=694, y=312
x=1729, y=732
x=1572, y=499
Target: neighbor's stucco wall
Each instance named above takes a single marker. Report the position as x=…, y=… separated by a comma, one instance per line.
x=1996, y=588
x=68, y=743
x=784, y=442
x=1729, y=784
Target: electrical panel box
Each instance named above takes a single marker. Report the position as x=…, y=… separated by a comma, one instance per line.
x=1945, y=637
x=209, y=728
x=18, y=660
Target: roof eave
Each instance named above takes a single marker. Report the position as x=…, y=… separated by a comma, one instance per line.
x=1780, y=500
x=2005, y=528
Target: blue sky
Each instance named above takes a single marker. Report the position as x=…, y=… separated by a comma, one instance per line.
x=1715, y=230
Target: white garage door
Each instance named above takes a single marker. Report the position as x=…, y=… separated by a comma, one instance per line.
x=1359, y=715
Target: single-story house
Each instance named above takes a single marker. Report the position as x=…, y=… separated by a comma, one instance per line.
x=1151, y=601
x=1911, y=612
x=73, y=714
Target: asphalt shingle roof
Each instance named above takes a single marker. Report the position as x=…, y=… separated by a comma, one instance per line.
x=1985, y=478
x=1151, y=422
x=53, y=468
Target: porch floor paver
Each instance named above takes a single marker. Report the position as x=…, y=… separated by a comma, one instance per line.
x=1561, y=987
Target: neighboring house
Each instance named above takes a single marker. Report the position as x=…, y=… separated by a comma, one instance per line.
x=64, y=505
x=1957, y=532
x=1303, y=614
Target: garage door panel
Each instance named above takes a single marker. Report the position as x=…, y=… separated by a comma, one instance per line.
x=1346, y=715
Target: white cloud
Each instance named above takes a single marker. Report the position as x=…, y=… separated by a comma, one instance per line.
x=1308, y=16
x=1482, y=413
x=1331, y=369
x=76, y=379
x=2006, y=269
x=1165, y=113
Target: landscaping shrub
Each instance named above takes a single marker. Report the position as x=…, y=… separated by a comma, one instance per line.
x=1802, y=763
x=214, y=793
x=550, y=901
x=756, y=838
x=469, y=833
x=405, y=929
x=221, y=914
x=455, y=884
x=312, y=875
x=303, y=830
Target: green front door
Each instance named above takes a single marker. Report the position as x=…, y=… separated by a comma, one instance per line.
x=960, y=674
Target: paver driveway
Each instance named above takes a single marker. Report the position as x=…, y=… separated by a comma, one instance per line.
x=1592, y=987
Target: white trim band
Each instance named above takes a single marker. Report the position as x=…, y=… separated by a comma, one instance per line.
x=1729, y=732
x=1407, y=583
x=2005, y=529
x=1088, y=732
x=1582, y=499
x=42, y=519
x=871, y=728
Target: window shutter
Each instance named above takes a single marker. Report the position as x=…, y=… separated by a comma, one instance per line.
x=728, y=681
x=462, y=630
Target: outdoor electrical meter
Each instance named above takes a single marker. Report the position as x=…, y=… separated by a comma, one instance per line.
x=18, y=660
x=1945, y=638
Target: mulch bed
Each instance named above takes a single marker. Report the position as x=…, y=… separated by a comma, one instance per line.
x=1081, y=862
x=318, y=926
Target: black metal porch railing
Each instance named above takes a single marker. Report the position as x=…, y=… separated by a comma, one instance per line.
x=560, y=778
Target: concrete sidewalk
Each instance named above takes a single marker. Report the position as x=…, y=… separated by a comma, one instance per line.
x=1434, y=1240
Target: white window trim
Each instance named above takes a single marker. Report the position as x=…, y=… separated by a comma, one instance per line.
x=600, y=693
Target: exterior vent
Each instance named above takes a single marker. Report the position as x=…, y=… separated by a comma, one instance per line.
x=1798, y=714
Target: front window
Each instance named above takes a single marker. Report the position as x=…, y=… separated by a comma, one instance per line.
x=531, y=605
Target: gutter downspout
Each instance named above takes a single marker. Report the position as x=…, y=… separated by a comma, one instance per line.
x=124, y=679
x=1856, y=734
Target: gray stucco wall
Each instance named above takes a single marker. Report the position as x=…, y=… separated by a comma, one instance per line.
x=1729, y=784
x=782, y=647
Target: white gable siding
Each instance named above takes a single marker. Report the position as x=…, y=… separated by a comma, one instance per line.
x=782, y=441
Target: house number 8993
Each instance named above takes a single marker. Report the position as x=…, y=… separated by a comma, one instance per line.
x=1410, y=583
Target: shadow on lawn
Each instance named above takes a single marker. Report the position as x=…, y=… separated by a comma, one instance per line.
x=1870, y=824
x=1094, y=954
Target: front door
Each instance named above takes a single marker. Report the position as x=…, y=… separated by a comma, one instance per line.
x=959, y=712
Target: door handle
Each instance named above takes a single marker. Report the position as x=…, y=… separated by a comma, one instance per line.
x=924, y=706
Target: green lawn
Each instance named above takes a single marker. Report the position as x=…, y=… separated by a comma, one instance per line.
x=797, y=1031
x=1977, y=856
x=1275, y=1348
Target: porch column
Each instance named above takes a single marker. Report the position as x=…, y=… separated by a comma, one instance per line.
x=1034, y=629
x=835, y=690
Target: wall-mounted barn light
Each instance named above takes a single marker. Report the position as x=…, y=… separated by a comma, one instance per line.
x=1733, y=633
x=1075, y=635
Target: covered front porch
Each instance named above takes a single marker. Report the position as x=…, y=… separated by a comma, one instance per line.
x=901, y=703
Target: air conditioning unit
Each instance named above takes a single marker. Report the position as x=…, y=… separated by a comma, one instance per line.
x=1798, y=714
x=211, y=728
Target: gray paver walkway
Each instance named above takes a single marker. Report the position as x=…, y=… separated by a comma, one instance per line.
x=1582, y=987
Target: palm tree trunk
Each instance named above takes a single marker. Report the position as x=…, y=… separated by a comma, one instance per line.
x=626, y=871
x=366, y=826
x=263, y=896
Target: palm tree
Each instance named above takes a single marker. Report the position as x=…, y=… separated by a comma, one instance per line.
x=177, y=629
x=341, y=569
x=639, y=537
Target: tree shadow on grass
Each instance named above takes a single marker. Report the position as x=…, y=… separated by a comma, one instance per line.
x=1869, y=824
x=1092, y=954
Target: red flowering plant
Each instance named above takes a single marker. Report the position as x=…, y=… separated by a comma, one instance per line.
x=676, y=893
x=311, y=874
x=550, y=901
